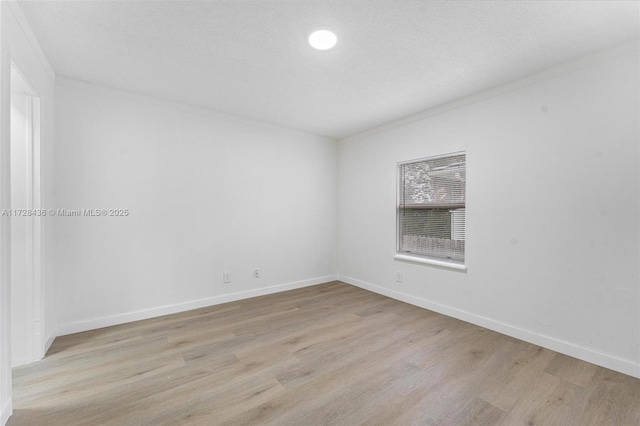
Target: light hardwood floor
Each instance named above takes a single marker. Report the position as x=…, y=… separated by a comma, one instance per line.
x=329, y=354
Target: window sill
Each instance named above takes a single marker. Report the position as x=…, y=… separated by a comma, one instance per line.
x=433, y=262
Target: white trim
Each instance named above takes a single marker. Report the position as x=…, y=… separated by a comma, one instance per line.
x=428, y=261
x=6, y=412
x=31, y=37
x=433, y=157
x=38, y=227
x=548, y=74
x=5, y=228
x=34, y=328
x=77, y=327
x=605, y=360
x=33, y=307
x=50, y=338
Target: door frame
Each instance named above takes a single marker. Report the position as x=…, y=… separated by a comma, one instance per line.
x=34, y=229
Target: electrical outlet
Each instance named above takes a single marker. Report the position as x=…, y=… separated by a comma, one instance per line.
x=398, y=276
x=256, y=273
x=226, y=277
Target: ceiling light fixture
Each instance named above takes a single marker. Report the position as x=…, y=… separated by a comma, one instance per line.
x=322, y=39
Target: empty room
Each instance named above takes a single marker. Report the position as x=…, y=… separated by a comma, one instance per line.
x=254, y=212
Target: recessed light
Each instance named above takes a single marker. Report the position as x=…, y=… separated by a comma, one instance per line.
x=322, y=39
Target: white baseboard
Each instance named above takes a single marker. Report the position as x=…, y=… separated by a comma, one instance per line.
x=52, y=336
x=608, y=361
x=92, y=324
x=6, y=412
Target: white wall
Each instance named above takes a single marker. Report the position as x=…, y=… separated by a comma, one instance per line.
x=206, y=192
x=18, y=44
x=552, y=244
x=5, y=224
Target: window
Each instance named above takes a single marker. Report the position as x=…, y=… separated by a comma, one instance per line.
x=431, y=208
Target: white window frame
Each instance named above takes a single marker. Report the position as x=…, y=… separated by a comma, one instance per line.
x=414, y=257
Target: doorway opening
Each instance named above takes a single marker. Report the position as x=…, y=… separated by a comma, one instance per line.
x=27, y=344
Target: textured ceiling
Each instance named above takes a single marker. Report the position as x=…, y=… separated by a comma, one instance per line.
x=251, y=58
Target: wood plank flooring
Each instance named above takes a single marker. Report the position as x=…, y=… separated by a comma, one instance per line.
x=331, y=354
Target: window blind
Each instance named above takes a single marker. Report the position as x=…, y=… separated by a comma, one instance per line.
x=431, y=207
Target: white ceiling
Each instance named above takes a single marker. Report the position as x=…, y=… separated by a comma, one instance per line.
x=394, y=57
